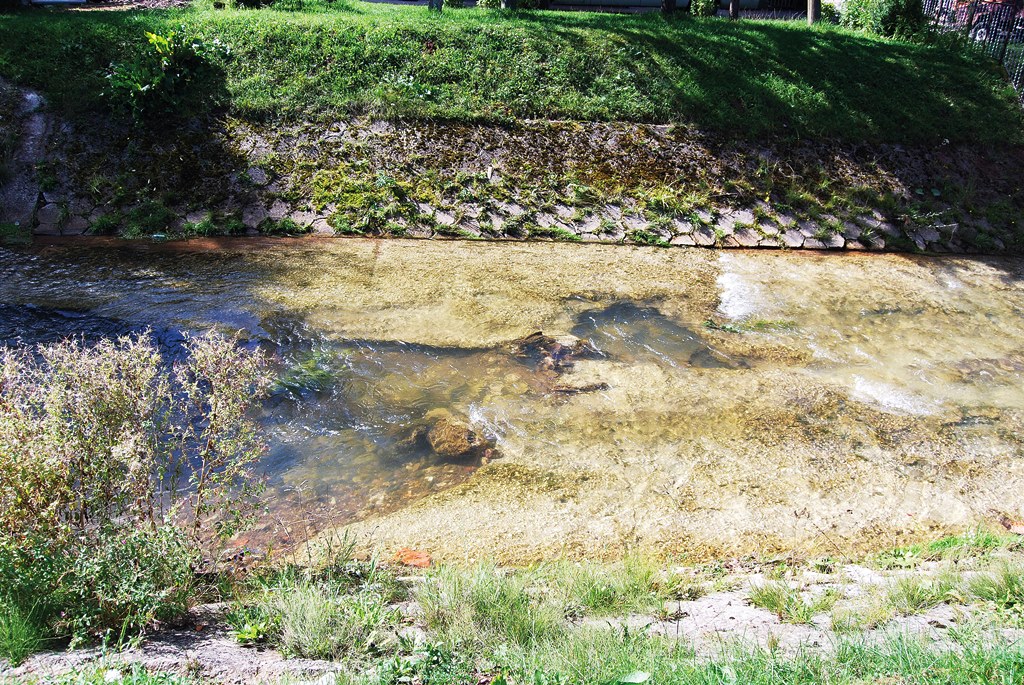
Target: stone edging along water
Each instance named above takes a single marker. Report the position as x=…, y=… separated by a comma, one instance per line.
x=619, y=183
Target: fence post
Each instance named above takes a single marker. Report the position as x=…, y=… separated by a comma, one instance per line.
x=813, y=11
x=1007, y=30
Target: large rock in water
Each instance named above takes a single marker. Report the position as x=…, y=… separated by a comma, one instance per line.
x=453, y=438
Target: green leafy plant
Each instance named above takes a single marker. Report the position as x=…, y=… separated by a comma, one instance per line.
x=172, y=77
x=283, y=227
x=117, y=469
x=890, y=18
x=704, y=8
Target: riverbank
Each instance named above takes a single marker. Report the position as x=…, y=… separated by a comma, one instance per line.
x=943, y=612
x=538, y=180
x=379, y=125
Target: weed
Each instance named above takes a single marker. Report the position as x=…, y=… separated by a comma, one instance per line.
x=483, y=604
x=788, y=604
x=320, y=621
x=19, y=635
x=14, y=234
x=283, y=227
x=644, y=237
x=914, y=594
x=1003, y=586
x=554, y=233
x=977, y=542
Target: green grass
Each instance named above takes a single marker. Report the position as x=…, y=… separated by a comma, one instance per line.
x=125, y=675
x=975, y=543
x=19, y=636
x=788, y=604
x=486, y=606
x=1003, y=586
x=603, y=657
x=914, y=594
x=749, y=78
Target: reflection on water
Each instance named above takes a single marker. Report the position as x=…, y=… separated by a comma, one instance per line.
x=833, y=381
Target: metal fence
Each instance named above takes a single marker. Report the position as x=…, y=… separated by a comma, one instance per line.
x=994, y=27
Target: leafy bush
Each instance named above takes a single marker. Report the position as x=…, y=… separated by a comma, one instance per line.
x=116, y=470
x=830, y=14
x=114, y=581
x=889, y=18
x=174, y=76
x=704, y=8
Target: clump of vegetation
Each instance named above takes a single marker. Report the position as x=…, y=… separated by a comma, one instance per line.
x=704, y=8
x=105, y=453
x=889, y=18
x=644, y=237
x=19, y=635
x=1003, y=586
x=339, y=609
x=788, y=604
x=146, y=219
x=554, y=233
x=283, y=227
x=914, y=594
x=975, y=543
x=213, y=225
x=13, y=234
x=484, y=605
x=172, y=75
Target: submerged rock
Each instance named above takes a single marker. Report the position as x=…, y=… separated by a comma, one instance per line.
x=554, y=354
x=451, y=437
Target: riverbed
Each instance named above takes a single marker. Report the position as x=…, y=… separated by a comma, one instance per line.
x=732, y=402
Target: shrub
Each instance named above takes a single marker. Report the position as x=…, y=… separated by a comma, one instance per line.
x=116, y=469
x=889, y=18
x=704, y=8
x=174, y=76
x=114, y=581
x=830, y=14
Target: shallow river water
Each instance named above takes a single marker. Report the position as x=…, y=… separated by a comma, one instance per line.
x=737, y=401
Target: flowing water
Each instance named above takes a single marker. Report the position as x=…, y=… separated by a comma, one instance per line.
x=728, y=401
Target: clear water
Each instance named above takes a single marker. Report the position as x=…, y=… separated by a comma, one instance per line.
x=860, y=389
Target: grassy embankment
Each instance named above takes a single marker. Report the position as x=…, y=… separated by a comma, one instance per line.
x=749, y=78
x=772, y=116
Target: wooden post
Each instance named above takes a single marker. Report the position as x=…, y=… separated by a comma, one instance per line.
x=435, y=5
x=734, y=9
x=508, y=4
x=668, y=6
x=813, y=11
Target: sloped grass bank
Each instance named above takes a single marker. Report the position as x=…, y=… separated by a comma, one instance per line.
x=746, y=78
